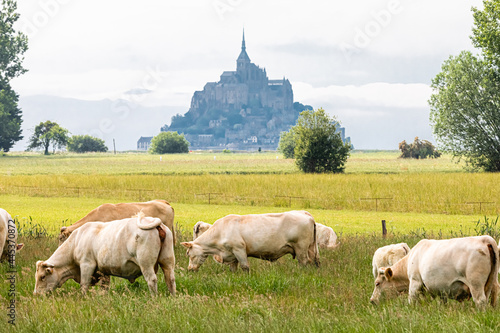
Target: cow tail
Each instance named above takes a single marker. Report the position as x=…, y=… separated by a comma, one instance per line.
x=492, y=282
x=315, y=245
x=145, y=224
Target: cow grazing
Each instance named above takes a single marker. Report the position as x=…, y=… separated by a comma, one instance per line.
x=126, y=248
x=388, y=255
x=199, y=228
x=326, y=237
x=8, y=237
x=112, y=212
x=234, y=238
x=453, y=268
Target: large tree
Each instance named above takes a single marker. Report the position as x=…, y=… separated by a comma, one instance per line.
x=13, y=45
x=46, y=134
x=169, y=143
x=465, y=105
x=287, y=144
x=318, y=145
x=486, y=32
x=86, y=143
x=10, y=119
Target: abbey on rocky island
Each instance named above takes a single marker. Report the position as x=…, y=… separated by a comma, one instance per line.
x=243, y=110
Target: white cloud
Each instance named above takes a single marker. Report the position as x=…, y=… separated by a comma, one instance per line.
x=101, y=49
x=380, y=94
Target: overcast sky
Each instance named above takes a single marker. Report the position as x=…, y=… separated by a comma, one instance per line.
x=368, y=62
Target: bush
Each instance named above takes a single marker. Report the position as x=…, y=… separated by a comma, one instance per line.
x=86, y=143
x=418, y=149
x=318, y=145
x=169, y=143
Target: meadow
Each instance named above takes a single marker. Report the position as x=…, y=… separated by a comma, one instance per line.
x=428, y=199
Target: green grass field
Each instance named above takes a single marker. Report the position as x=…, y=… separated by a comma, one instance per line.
x=428, y=200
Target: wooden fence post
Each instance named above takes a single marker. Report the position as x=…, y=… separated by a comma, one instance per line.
x=384, y=229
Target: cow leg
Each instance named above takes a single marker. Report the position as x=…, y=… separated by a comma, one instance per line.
x=242, y=258
x=478, y=295
x=168, y=272
x=494, y=295
x=415, y=289
x=151, y=279
x=170, y=279
x=86, y=273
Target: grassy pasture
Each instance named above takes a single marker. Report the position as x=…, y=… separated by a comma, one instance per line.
x=440, y=193
x=52, y=213
x=205, y=163
x=274, y=297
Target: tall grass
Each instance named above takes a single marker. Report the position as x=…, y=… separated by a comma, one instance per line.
x=53, y=212
x=205, y=163
x=445, y=193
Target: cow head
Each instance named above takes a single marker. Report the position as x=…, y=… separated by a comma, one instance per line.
x=196, y=255
x=63, y=235
x=385, y=286
x=46, y=279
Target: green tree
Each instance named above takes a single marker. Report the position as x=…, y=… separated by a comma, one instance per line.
x=46, y=134
x=486, y=32
x=465, y=112
x=13, y=45
x=86, y=143
x=318, y=145
x=465, y=105
x=169, y=143
x=287, y=144
x=10, y=119
x=419, y=149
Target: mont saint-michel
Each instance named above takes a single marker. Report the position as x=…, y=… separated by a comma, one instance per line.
x=243, y=110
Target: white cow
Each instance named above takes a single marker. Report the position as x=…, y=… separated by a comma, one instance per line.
x=112, y=212
x=126, y=248
x=455, y=268
x=199, y=228
x=8, y=237
x=234, y=238
x=326, y=237
x=388, y=255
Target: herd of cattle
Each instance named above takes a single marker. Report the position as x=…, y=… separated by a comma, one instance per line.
x=133, y=239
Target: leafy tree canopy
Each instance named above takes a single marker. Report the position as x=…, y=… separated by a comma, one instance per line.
x=86, y=143
x=318, y=145
x=287, y=144
x=465, y=105
x=169, y=143
x=46, y=134
x=13, y=45
x=419, y=149
x=10, y=119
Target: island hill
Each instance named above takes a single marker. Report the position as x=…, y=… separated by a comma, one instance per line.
x=244, y=110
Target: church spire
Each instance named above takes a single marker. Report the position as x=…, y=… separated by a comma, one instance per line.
x=243, y=58
x=243, y=46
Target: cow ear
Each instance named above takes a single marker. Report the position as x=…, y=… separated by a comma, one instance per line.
x=388, y=273
x=187, y=245
x=19, y=246
x=63, y=229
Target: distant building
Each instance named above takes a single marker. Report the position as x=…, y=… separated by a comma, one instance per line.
x=243, y=104
x=144, y=142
